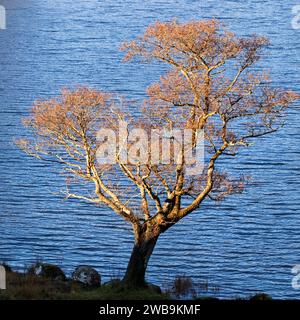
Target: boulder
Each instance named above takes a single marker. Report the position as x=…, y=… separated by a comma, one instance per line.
x=154, y=288
x=260, y=296
x=87, y=275
x=47, y=270
x=113, y=283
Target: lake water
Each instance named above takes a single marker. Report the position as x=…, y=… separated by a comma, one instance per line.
x=246, y=244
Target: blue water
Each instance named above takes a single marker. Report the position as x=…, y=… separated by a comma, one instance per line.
x=246, y=244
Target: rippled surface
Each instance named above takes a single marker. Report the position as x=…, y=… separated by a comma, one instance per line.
x=247, y=243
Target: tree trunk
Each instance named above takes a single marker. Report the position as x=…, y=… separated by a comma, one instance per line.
x=136, y=269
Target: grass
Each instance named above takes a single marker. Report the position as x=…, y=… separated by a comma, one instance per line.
x=31, y=287
x=28, y=286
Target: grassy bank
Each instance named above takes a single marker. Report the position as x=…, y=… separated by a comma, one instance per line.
x=26, y=286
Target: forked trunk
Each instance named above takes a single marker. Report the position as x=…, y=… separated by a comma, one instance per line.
x=136, y=269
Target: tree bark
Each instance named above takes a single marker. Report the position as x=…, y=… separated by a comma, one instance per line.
x=137, y=266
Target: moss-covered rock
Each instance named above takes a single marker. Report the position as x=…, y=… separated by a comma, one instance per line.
x=47, y=270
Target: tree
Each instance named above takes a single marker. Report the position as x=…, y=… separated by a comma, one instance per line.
x=211, y=86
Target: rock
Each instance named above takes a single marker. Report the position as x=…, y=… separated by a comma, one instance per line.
x=87, y=275
x=47, y=270
x=260, y=296
x=154, y=288
x=113, y=283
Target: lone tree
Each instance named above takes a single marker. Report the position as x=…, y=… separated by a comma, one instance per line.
x=210, y=86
